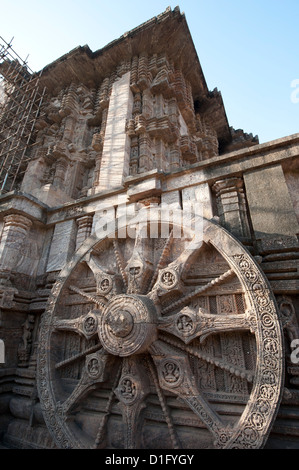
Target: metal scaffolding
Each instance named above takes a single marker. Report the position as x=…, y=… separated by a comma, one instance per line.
x=20, y=104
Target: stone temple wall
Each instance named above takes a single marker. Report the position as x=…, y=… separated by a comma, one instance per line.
x=129, y=342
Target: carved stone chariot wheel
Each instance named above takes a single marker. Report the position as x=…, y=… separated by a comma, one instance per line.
x=161, y=343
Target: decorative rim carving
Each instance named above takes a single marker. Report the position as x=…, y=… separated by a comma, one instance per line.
x=262, y=319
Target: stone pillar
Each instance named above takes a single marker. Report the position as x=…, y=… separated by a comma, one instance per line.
x=145, y=161
x=62, y=246
x=15, y=230
x=116, y=150
x=231, y=205
x=84, y=229
x=97, y=145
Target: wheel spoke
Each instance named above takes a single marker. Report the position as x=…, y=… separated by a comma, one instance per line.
x=120, y=262
x=102, y=433
x=139, y=269
x=163, y=257
x=165, y=409
x=176, y=376
x=187, y=298
x=132, y=390
x=189, y=324
x=85, y=325
x=100, y=304
x=232, y=368
x=95, y=372
x=107, y=283
x=168, y=279
x=78, y=357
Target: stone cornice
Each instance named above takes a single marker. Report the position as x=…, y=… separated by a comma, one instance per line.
x=16, y=202
x=284, y=151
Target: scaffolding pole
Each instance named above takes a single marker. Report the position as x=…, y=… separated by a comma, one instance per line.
x=20, y=107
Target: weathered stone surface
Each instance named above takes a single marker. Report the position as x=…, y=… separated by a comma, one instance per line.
x=149, y=187
x=200, y=197
x=116, y=149
x=171, y=199
x=161, y=335
x=62, y=245
x=270, y=205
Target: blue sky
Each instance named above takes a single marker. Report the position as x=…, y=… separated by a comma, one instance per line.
x=248, y=49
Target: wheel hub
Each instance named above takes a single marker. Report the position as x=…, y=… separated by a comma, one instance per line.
x=128, y=325
x=121, y=323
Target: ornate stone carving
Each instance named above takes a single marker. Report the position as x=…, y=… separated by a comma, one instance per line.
x=144, y=347
x=25, y=346
x=231, y=204
x=288, y=317
x=84, y=229
x=13, y=242
x=291, y=332
x=127, y=325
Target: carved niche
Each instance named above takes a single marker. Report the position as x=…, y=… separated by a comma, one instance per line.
x=165, y=130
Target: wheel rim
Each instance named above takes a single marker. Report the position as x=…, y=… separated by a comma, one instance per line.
x=148, y=370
